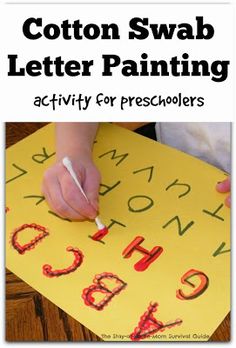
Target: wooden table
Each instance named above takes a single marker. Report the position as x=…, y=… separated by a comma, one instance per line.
x=29, y=315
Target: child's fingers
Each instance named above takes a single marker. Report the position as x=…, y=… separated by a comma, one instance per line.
x=228, y=201
x=59, y=206
x=223, y=186
x=91, y=187
x=74, y=198
x=54, y=197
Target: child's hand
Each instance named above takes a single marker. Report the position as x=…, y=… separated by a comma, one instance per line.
x=223, y=187
x=63, y=195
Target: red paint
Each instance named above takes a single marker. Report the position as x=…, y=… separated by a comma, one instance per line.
x=47, y=269
x=100, y=234
x=150, y=256
x=100, y=287
x=148, y=325
x=199, y=290
x=31, y=245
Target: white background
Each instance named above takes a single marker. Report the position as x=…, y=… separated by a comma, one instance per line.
x=19, y=92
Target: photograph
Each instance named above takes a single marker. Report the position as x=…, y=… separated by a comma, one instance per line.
x=118, y=122
x=117, y=231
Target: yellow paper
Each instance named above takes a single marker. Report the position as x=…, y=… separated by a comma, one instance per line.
x=156, y=188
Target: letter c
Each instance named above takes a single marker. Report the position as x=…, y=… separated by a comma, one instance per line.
x=27, y=28
x=44, y=102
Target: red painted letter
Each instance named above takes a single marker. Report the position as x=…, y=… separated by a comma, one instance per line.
x=149, y=257
x=100, y=287
x=204, y=282
x=47, y=269
x=148, y=325
x=28, y=246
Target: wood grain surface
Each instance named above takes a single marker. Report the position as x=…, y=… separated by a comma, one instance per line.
x=29, y=315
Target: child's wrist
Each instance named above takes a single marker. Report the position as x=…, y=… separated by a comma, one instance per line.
x=75, y=153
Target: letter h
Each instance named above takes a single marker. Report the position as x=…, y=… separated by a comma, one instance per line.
x=150, y=256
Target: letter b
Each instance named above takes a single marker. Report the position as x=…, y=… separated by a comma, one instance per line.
x=204, y=31
x=100, y=287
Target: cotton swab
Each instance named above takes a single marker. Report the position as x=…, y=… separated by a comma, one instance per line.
x=102, y=229
x=67, y=163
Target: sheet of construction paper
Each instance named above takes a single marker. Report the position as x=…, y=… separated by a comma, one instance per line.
x=162, y=272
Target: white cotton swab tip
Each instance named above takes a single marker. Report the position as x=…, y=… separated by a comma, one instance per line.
x=99, y=224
